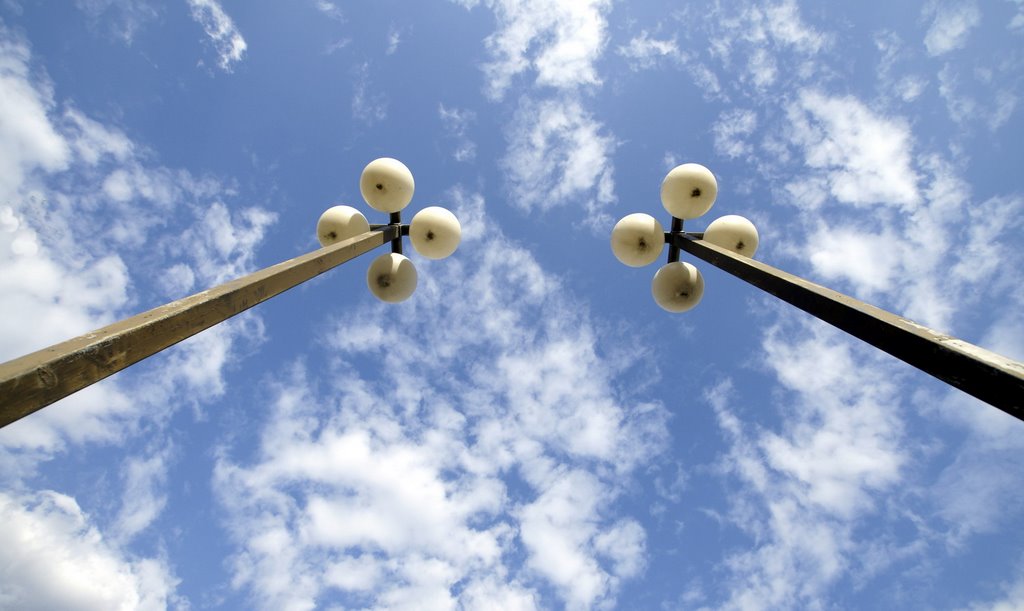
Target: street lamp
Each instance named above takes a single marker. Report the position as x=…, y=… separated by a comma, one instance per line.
x=387, y=185
x=32, y=382
x=689, y=191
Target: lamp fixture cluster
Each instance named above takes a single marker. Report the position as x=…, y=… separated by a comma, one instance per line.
x=387, y=185
x=687, y=192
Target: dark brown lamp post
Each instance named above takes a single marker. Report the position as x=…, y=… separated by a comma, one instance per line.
x=689, y=191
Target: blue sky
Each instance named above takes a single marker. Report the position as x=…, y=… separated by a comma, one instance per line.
x=529, y=430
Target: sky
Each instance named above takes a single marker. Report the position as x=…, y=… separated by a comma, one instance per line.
x=529, y=430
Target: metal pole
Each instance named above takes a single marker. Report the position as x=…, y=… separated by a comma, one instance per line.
x=32, y=382
x=995, y=379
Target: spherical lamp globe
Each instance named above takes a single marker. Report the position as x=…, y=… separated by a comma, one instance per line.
x=677, y=287
x=733, y=232
x=435, y=232
x=339, y=223
x=688, y=191
x=391, y=278
x=637, y=240
x=387, y=185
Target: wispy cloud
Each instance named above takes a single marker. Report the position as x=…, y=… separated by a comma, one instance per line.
x=983, y=100
x=367, y=107
x=220, y=28
x=330, y=9
x=757, y=34
x=123, y=18
x=642, y=51
x=731, y=131
x=559, y=154
x=456, y=123
x=394, y=39
x=951, y=25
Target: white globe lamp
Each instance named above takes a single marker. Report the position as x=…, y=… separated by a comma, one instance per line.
x=733, y=232
x=688, y=191
x=339, y=223
x=387, y=185
x=391, y=277
x=638, y=240
x=677, y=287
x=435, y=232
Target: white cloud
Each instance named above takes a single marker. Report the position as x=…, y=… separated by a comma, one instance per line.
x=1012, y=599
x=28, y=140
x=644, y=51
x=394, y=39
x=783, y=23
x=403, y=472
x=760, y=34
x=909, y=88
x=1017, y=23
x=56, y=559
x=731, y=131
x=558, y=39
x=456, y=123
x=330, y=9
x=951, y=25
x=221, y=244
x=859, y=160
x=223, y=33
x=965, y=108
x=864, y=158
x=124, y=18
x=557, y=155
x=557, y=152
x=144, y=497
x=368, y=108
x=803, y=490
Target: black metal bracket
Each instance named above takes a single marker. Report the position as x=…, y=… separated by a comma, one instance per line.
x=673, y=249
x=395, y=220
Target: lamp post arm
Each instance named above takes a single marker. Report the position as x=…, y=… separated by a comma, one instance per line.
x=32, y=382
x=995, y=379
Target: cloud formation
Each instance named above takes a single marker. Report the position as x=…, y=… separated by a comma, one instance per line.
x=55, y=558
x=480, y=441
x=224, y=35
x=559, y=154
x=951, y=25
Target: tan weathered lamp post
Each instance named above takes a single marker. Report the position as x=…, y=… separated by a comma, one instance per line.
x=36, y=380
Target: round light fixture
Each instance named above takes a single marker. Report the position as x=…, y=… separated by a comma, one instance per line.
x=637, y=240
x=435, y=232
x=688, y=191
x=387, y=185
x=391, y=277
x=733, y=232
x=340, y=223
x=677, y=287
